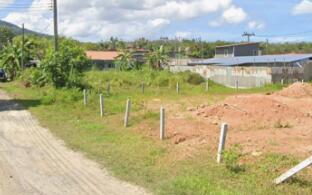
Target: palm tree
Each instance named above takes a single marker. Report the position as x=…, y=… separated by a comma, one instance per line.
x=124, y=61
x=157, y=59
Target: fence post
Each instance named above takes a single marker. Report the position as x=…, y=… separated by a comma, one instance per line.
x=282, y=82
x=108, y=88
x=85, y=98
x=102, y=105
x=178, y=87
x=236, y=85
x=162, y=123
x=224, y=128
x=143, y=87
x=207, y=85
x=128, y=107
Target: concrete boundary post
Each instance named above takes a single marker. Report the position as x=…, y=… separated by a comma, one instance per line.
x=85, y=97
x=108, y=88
x=101, y=105
x=293, y=171
x=143, y=87
x=207, y=85
x=162, y=123
x=127, y=113
x=236, y=85
x=223, y=133
x=178, y=87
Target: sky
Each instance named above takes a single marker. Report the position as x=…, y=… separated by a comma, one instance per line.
x=210, y=20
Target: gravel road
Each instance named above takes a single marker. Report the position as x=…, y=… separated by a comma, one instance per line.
x=33, y=161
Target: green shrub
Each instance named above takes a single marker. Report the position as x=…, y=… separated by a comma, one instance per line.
x=33, y=76
x=48, y=100
x=231, y=159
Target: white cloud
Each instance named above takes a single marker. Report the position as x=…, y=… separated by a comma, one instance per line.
x=183, y=34
x=6, y=2
x=304, y=7
x=256, y=25
x=232, y=15
x=159, y=22
x=100, y=19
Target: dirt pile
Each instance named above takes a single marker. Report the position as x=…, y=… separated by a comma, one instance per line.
x=297, y=90
x=250, y=110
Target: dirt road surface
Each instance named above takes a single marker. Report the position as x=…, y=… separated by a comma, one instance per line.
x=33, y=161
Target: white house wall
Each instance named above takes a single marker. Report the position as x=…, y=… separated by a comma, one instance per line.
x=247, y=77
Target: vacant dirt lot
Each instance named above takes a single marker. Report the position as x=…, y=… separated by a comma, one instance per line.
x=280, y=122
x=32, y=161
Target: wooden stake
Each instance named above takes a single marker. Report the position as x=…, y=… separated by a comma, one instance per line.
x=224, y=129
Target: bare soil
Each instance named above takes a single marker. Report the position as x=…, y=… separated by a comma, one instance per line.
x=32, y=161
x=276, y=123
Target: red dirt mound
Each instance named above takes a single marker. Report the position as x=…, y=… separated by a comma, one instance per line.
x=297, y=90
x=251, y=109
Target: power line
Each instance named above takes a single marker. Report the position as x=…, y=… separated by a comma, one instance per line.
x=285, y=35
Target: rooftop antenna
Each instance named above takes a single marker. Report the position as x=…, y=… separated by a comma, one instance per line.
x=248, y=35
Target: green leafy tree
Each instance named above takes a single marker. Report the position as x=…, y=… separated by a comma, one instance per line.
x=11, y=56
x=6, y=35
x=64, y=68
x=11, y=60
x=124, y=61
x=157, y=59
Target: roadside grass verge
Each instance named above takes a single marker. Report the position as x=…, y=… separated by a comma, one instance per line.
x=141, y=160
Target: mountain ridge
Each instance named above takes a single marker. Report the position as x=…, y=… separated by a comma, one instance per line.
x=18, y=30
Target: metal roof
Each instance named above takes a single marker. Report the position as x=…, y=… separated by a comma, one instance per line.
x=238, y=44
x=236, y=61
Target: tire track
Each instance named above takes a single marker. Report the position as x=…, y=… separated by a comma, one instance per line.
x=41, y=164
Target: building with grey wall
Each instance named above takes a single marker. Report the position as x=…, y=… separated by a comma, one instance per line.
x=236, y=50
x=252, y=71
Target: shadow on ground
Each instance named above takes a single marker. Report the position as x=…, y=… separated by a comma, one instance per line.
x=7, y=105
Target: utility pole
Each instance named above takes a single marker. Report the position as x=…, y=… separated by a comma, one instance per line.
x=23, y=43
x=248, y=35
x=55, y=25
x=267, y=46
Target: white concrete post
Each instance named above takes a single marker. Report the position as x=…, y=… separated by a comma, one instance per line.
x=162, y=123
x=236, y=85
x=207, y=85
x=178, y=87
x=282, y=82
x=224, y=129
x=302, y=81
x=108, y=88
x=85, y=98
x=128, y=107
x=293, y=171
x=102, y=105
x=143, y=87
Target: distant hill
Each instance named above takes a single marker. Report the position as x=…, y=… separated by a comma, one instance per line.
x=18, y=30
